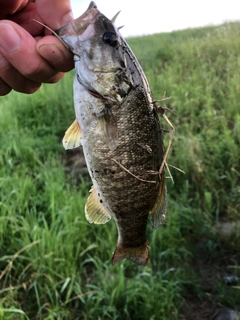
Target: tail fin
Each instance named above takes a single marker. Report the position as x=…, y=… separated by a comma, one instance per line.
x=139, y=255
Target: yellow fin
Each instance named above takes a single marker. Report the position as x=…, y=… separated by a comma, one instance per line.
x=72, y=137
x=139, y=255
x=110, y=130
x=159, y=210
x=95, y=211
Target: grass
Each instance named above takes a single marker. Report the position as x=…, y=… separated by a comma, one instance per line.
x=54, y=265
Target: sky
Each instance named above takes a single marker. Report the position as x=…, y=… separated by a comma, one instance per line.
x=156, y=16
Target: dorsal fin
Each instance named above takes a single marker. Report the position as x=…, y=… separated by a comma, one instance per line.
x=115, y=17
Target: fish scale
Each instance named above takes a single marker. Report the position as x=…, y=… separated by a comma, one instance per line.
x=119, y=130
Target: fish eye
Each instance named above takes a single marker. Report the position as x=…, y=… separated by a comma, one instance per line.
x=110, y=38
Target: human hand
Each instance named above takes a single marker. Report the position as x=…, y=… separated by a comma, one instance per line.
x=29, y=56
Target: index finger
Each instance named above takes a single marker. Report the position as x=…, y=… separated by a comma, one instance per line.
x=54, y=13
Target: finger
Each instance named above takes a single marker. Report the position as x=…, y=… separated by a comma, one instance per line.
x=19, y=48
x=52, y=50
x=4, y=88
x=25, y=18
x=62, y=12
x=10, y=7
x=12, y=79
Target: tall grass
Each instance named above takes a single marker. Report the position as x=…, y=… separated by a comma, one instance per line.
x=54, y=265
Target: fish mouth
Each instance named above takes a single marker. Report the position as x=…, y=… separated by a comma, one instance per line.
x=82, y=27
x=92, y=23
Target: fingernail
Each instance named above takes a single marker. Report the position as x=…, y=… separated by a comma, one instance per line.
x=51, y=53
x=10, y=40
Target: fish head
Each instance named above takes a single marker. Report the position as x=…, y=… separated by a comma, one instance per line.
x=93, y=36
x=98, y=53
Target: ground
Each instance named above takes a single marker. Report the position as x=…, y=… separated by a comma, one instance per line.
x=212, y=272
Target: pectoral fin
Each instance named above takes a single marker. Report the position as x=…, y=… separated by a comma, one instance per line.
x=159, y=210
x=72, y=137
x=110, y=130
x=95, y=211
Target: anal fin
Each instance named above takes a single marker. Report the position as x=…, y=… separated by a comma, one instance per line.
x=72, y=137
x=159, y=209
x=139, y=255
x=95, y=211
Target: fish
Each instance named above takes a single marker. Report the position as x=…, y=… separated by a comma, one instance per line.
x=118, y=127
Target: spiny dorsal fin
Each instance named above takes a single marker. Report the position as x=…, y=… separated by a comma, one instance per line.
x=115, y=17
x=95, y=212
x=159, y=210
x=72, y=137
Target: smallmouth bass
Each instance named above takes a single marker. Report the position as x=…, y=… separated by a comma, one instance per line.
x=118, y=128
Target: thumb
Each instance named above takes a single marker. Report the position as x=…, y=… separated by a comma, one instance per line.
x=54, y=13
x=52, y=50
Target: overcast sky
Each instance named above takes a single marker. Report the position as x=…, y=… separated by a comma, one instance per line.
x=156, y=16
